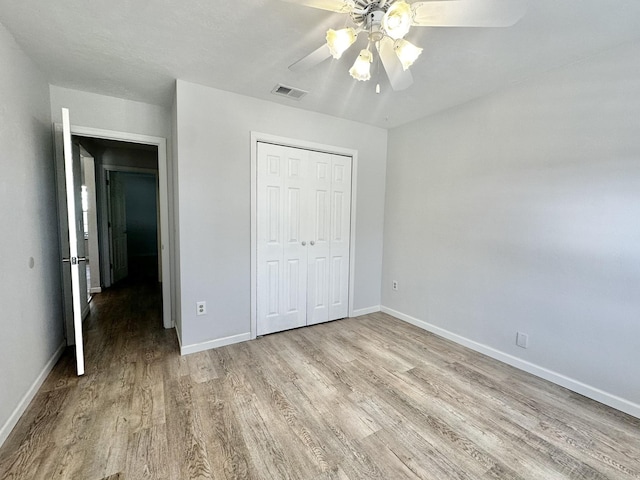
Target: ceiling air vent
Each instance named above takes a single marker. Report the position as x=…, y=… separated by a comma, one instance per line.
x=289, y=92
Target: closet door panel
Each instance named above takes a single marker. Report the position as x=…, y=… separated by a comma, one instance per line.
x=281, y=260
x=270, y=238
x=295, y=253
x=319, y=249
x=340, y=236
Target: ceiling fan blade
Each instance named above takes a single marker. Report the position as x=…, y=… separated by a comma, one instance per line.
x=340, y=6
x=314, y=58
x=399, y=78
x=468, y=13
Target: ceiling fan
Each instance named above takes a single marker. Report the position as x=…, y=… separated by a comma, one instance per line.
x=387, y=22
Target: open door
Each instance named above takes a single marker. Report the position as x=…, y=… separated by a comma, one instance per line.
x=117, y=226
x=70, y=212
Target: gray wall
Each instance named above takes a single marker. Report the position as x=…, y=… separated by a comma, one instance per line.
x=214, y=175
x=110, y=113
x=30, y=295
x=521, y=212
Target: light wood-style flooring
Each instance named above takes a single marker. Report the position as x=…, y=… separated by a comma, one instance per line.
x=366, y=398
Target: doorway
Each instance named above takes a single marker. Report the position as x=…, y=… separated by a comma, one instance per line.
x=90, y=221
x=69, y=176
x=162, y=165
x=132, y=200
x=126, y=196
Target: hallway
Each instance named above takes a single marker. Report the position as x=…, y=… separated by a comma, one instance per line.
x=80, y=427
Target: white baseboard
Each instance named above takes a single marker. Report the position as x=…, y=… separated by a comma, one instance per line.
x=555, y=377
x=218, y=342
x=95, y=290
x=366, y=311
x=26, y=399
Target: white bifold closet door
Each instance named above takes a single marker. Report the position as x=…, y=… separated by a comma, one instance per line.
x=303, y=230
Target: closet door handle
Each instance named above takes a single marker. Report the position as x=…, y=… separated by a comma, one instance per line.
x=304, y=243
x=312, y=243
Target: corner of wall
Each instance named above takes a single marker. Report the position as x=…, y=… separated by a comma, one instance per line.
x=544, y=373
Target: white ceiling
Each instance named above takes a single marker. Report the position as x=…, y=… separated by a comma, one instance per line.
x=135, y=49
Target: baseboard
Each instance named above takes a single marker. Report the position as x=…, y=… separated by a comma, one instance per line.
x=366, y=311
x=26, y=399
x=95, y=290
x=555, y=377
x=218, y=342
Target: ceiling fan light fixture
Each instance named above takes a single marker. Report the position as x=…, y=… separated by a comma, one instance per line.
x=361, y=69
x=339, y=41
x=397, y=21
x=406, y=52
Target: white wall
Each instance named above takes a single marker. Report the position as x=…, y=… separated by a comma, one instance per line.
x=521, y=212
x=30, y=295
x=213, y=138
x=110, y=113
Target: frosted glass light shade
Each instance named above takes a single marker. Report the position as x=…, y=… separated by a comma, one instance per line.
x=397, y=21
x=361, y=69
x=339, y=41
x=406, y=52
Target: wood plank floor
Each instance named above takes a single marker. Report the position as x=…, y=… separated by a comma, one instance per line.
x=366, y=398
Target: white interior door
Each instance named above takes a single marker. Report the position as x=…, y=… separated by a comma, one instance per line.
x=302, y=277
x=75, y=261
x=282, y=258
x=117, y=226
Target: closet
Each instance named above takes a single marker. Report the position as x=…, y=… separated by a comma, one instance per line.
x=303, y=233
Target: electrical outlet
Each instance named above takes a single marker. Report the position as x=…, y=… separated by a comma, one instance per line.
x=394, y=285
x=201, y=308
x=522, y=340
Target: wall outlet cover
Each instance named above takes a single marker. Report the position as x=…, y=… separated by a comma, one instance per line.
x=522, y=340
x=201, y=308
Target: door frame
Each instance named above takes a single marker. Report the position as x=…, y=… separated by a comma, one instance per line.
x=302, y=144
x=163, y=205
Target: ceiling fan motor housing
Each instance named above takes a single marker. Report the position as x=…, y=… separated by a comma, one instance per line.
x=374, y=25
x=368, y=12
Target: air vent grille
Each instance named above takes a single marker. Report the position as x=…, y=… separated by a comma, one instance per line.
x=289, y=92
